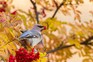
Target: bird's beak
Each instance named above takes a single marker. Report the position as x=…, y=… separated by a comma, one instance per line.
x=44, y=27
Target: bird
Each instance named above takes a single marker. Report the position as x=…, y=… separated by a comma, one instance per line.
x=33, y=36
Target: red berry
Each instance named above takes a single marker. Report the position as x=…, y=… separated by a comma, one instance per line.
x=14, y=12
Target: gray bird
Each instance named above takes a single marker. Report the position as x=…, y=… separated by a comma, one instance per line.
x=33, y=36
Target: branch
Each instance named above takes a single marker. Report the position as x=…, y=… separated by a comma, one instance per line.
x=58, y=9
x=35, y=8
x=60, y=47
x=55, y=3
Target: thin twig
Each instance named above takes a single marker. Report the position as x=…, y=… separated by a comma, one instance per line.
x=58, y=8
x=86, y=42
x=35, y=8
x=55, y=3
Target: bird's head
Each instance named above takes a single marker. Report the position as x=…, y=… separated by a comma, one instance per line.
x=27, y=34
x=39, y=27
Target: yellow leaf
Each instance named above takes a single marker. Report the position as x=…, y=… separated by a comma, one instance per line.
x=75, y=42
x=4, y=37
x=38, y=1
x=11, y=31
x=42, y=54
x=11, y=49
x=81, y=1
x=0, y=25
x=24, y=20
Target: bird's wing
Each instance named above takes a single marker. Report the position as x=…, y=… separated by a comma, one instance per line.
x=32, y=36
x=28, y=34
x=24, y=35
x=36, y=38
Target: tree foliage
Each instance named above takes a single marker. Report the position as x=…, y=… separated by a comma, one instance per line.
x=62, y=39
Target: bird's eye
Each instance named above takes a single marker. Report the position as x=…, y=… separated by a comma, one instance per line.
x=35, y=36
x=40, y=26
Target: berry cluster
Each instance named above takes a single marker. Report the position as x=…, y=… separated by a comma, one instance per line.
x=3, y=5
x=22, y=55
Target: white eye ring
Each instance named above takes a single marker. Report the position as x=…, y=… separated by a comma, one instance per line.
x=34, y=36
